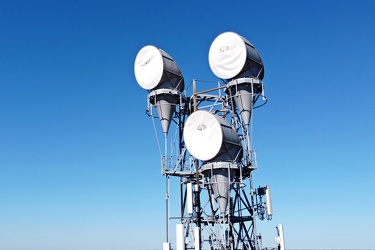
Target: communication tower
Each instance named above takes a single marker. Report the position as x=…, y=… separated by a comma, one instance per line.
x=214, y=159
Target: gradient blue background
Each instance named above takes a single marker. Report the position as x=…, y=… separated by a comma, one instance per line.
x=79, y=162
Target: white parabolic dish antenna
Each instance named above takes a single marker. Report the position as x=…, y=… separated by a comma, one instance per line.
x=208, y=136
x=153, y=67
x=230, y=54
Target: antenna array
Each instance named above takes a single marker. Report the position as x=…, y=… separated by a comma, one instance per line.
x=214, y=163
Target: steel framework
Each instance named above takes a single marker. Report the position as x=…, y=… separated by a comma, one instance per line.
x=201, y=223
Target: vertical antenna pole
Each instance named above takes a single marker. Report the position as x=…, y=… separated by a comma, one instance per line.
x=167, y=207
x=166, y=167
x=254, y=218
x=197, y=186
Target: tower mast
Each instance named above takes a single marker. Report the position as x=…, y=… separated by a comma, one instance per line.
x=218, y=208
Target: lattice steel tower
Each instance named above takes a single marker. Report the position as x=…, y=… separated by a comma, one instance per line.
x=213, y=158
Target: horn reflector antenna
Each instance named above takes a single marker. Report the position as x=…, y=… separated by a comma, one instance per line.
x=232, y=56
x=156, y=71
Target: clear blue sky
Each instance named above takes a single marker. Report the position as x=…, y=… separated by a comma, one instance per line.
x=79, y=163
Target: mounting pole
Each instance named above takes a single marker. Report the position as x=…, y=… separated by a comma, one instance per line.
x=253, y=208
x=197, y=186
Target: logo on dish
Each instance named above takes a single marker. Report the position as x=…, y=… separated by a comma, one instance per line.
x=201, y=127
x=224, y=48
